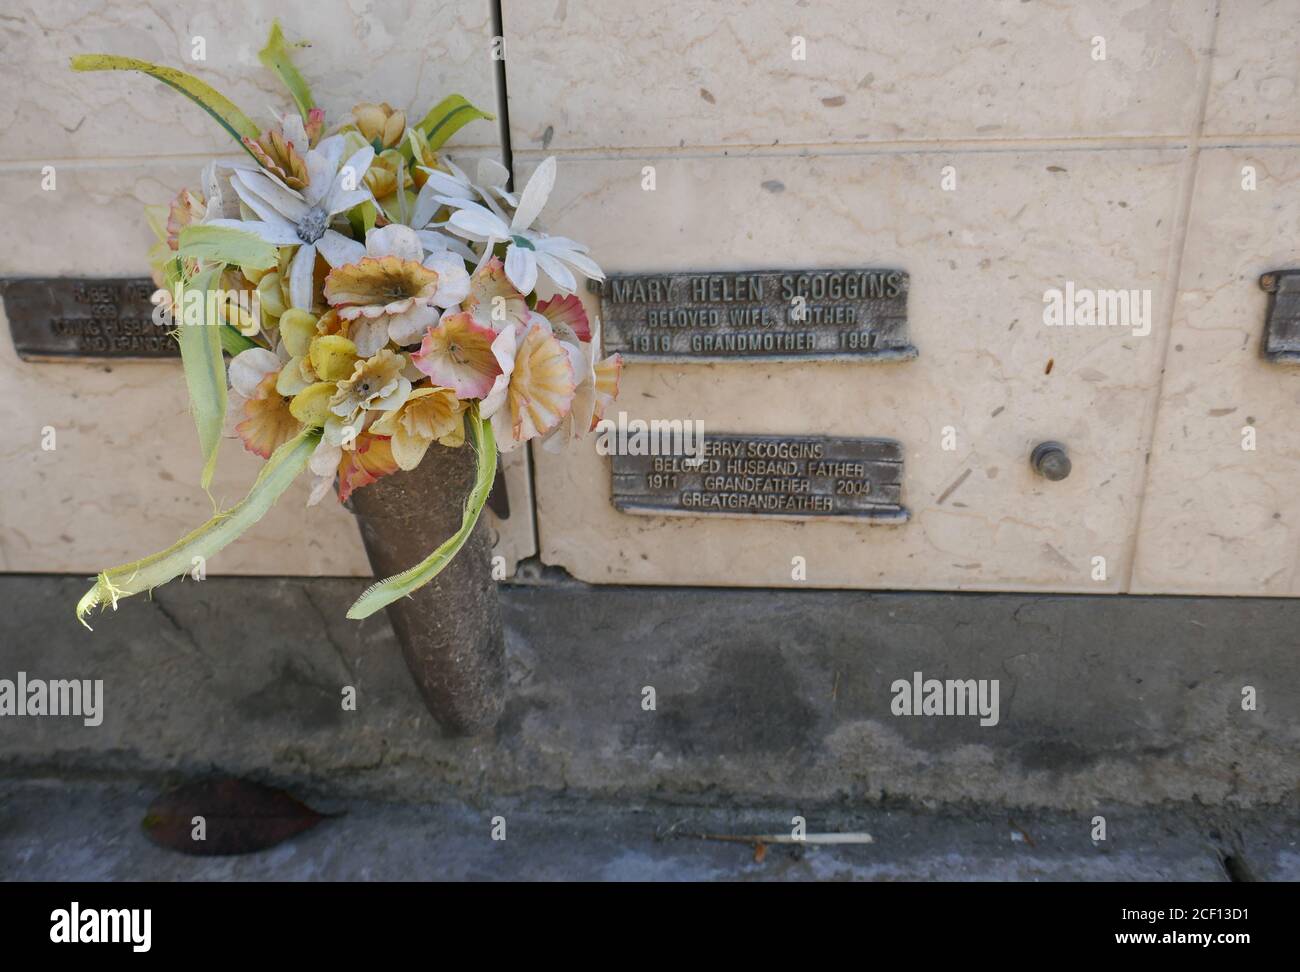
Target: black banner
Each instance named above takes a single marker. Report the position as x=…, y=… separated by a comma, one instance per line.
x=925, y=921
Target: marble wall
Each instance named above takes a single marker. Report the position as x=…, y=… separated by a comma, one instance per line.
x=1103, y=144
x=989, y=148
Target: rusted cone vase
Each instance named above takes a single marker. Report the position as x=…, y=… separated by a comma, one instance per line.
x=450, y=629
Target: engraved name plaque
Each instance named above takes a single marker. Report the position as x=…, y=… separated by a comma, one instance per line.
x=1282, y=323
x=780, y=476
x=769, y=315
x=75, y=317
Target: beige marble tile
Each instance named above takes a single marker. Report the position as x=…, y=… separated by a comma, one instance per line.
x=980, y=259
x=583, y=74
x=1218, y=519
x=409, y=53
x=1255, y=85
x=122, y=481
x=514, y=538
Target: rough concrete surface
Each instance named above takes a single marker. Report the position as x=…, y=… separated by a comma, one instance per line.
x=760, y=696
x=53, y=830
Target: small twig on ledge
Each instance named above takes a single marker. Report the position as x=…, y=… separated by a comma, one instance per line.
x=838, y=838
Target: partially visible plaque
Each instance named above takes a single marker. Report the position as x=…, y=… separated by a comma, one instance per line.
x=83, y=317
x=769, y=315
x=1282, y=326
x=786, y=476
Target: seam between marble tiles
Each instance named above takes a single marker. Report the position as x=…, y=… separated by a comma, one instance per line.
x=936, y=147
x=931, y=146
x=1173, y=288
x=198, y=159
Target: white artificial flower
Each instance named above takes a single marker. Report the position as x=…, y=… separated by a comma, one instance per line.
x=246, y=373
x=249, y=367
x=293, y=129
x=324, y=464
x=489, y=185
x=436, y=242
x=491, y=178
x=220, y=198
x=529, y=250
x=439, y=184
x=287, y=217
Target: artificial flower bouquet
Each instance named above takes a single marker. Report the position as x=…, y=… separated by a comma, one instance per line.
x=373, y=299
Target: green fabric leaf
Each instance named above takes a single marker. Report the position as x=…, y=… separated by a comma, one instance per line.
x=232, y=342
x=221, y=108
x=275, y=55
x=363, y=218
x=225, y=244
x=143, y=575
x=445, y=119
x=385, y=592
x=205, y=372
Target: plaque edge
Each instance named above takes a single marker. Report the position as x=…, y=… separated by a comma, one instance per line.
x=896, y=517
x=890, y=356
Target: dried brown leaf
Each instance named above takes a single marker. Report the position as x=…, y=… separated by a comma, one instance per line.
x=238, y=817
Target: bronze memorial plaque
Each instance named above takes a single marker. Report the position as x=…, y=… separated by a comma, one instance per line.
x=788, y=476
x=1282, y=323
x=769, y=315
x=80, y=317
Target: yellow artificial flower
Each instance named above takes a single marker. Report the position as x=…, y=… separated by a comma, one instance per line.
x=333, y=357
x=428, y=415
x=389, y=170
x=377, y=286
x=238, y=303
x=297, y=329
x=376, y=383
x=311, y=406
x=381, y=123
x=422, y=156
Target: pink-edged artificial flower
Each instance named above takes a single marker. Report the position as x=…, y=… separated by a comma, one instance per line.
x=540, y=392
x=493, y=300
x=597, y=381
x=268, y=423
x=566, y=316
x=366, y=463
x=457, y=354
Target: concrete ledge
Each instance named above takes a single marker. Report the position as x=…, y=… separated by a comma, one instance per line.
x=761, y=697
x=53, y=831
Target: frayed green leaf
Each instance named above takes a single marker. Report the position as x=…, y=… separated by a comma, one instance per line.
x=228, y=116
x=225, y=244
x=205, y=372
x=446, y=118
x=275, y=55
x=385, y=592
x=195, y=548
